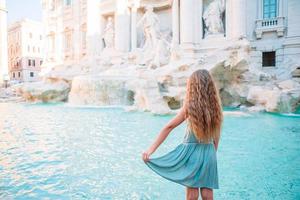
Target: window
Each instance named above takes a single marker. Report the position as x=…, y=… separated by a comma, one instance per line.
x=19, y=74
x=31, y=74
x=68, y=2
x=14, y=75
x=41, y=62
x=33, y=63
x=269, y=59
x=29, y=62
x=270, y=8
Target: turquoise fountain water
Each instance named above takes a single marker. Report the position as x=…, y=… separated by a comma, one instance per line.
x=61, y=152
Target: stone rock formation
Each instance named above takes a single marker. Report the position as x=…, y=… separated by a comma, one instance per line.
x=283, y=98
x=162, y=90
x=100, y=90
x=44, y=91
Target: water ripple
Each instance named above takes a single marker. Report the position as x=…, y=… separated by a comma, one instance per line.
x=61, y=152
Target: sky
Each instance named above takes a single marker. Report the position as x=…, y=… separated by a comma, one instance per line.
x=18, y=9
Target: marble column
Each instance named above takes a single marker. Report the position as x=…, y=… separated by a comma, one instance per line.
x=77, y=39
x=280, y=8
x=235, y=19
x=190, y=24
x=175, y=22
x=93, y=28
x=259, y=9
x=198, y=20
x=3, y=43
x=186, y=22
x=59, y=40
x=122, y=27
x=133, y=28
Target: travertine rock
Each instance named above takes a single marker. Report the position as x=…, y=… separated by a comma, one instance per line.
x=274, y=99
x=99, y=90
x=162, y=90
x=44, y=91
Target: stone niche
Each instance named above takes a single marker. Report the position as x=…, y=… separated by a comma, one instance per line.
x=164, y=14
x=108, y=34
x=214, y=18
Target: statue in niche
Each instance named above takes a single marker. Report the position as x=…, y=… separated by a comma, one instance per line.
x=213, y=18
x=151, y=28
x=109, y=34
x=156, y=45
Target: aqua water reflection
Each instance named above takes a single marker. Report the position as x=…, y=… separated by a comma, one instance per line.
x=61, y=152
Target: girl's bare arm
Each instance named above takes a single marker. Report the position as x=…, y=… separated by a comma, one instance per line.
x=178, y=119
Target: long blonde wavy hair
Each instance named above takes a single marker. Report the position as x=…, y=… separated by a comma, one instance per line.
x=203, y=107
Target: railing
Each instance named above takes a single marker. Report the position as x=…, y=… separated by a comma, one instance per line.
x=270, y=25
x=269, y=22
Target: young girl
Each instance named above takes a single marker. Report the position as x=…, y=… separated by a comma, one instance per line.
x=193, y=163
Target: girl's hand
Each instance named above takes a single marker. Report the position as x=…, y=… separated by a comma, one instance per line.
x=146, y=156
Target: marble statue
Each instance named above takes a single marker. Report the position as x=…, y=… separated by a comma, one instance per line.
x=212, y=16
x=151, y=28
x=161, y=52
x=108, y=34
x=155, y=51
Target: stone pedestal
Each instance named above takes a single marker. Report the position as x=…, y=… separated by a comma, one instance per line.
x=212, y=43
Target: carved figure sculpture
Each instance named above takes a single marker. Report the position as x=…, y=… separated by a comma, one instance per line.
x=212, y=16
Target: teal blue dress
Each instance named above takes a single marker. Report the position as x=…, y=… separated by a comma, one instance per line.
x=191, y=163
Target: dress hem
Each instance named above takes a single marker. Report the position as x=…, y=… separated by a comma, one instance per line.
x=198, y=186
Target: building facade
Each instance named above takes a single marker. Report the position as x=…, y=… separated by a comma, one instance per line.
x=3, y=43
x=25, y=50
x=76, y=29
x=65, y=30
